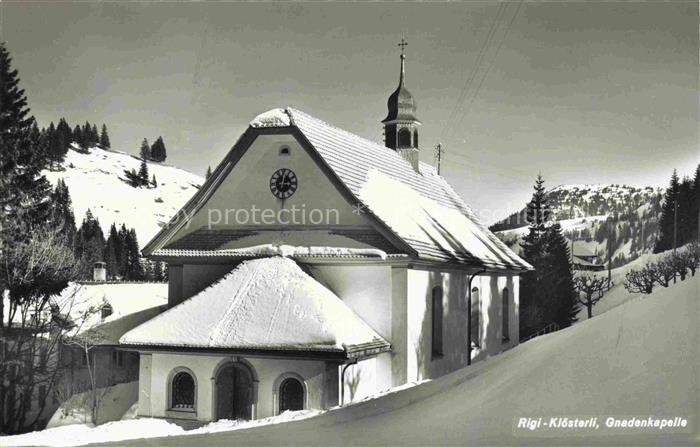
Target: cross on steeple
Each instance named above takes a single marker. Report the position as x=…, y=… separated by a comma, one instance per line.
x=403, y=44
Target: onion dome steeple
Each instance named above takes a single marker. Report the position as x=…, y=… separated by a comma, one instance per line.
x=401, y=104
x=401, y=124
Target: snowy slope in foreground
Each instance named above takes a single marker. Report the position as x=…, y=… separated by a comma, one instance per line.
x=95, y=181
x=639, y=359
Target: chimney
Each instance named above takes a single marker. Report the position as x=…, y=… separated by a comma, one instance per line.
x=99, y=273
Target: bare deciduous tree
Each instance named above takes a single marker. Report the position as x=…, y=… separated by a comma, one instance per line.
x=86, y=341
x=641, y=281
x=32, y=269
x=665, y=271
x=591, y=289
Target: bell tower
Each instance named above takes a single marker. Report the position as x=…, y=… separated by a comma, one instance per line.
x=401, y=124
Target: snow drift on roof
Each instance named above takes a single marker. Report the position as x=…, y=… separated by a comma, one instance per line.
x=271, y=118
x=267, y=303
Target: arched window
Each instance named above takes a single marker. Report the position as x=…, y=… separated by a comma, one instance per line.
x=415, y=137
x=475, y=322
x=437, y=321
x=505, y=304
x=404, y=138
x=291, y=395
x=182, y=397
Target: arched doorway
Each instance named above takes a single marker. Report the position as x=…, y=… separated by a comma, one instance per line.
x=291, y=395
x=234, y=392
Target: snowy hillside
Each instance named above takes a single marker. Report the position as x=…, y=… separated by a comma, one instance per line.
x=582, y=212
x=96, y=181
x=618, y=295
x=639, y=359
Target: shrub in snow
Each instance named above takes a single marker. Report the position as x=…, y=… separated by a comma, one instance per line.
x=665, y=271
x=641, y=281
x=680, y=264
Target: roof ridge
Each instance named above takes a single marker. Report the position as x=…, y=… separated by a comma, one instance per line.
x=353, y=135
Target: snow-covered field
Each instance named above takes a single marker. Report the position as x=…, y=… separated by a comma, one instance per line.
x=639, y=359
x=94, y=181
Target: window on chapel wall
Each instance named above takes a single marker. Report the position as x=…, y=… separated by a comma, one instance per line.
x=475, y=322
x=291, y=395
x=437, y=322
x=404, y=138
x=182, y=397
x=505, y=305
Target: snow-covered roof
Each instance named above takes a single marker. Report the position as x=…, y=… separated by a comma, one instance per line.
x=266, y=250
x=131, y=305
x=267, y=304
x=582, y=251
x=419, y=209
x=271, y=118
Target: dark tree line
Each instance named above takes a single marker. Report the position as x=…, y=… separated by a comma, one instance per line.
x=119, y=250
x=547, y=294
x=58, y=138
x=679, y=217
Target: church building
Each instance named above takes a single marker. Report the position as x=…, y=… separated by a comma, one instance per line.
x=316, y=267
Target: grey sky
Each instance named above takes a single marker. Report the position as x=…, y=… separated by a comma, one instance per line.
x=583, y=92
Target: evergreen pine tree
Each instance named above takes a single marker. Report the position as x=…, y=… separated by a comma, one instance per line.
x=55, y=152
x=666, y=224
x=154, y=182
x=88, y=137
x=95, y=135
x=547, y=294
x=143, y=173
x=111, y=255
x=135, y=270
x=23, y=189
x=158, y=151
x=686, y=223
x=89, y=244
x=65, y=134
x=558, y=280
x=532, y=311
x=62, y=211
x=78, y=136
x=104, y=138
x=122, y=252
x=145, y=151
x=695, y=207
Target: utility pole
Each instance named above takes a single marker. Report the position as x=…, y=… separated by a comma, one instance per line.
x=675, y=225
x=611, y=233
x=573, y=238
x=438, y=155
x=675, y=232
